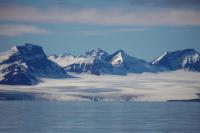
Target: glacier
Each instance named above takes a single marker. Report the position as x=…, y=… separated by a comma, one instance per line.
x=163, y=86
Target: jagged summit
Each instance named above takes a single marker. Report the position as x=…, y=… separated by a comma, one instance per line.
x=97, y=53
x=188, y=50
x=120, y=57
x=100, y=62
x=117, y=58
x=123, y=62
x=160, y=57
x=65, y=55
x=27, y=62
x=188, y=59
x=24, y=52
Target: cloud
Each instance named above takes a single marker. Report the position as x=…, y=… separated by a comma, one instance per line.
x=19, y=29
x=103, y=32
x=112, y=16
x=184, y=4
x=132, y=29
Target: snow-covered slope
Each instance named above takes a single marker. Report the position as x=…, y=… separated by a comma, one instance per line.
x=92, y=62
x=100, y=62
x=65, y=60
x=97, y=54
x=159, y=58
x=124, y=62
x=97, y=67
x=23, y=64
x=187, y=59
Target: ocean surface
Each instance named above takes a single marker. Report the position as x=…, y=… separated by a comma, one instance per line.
x=99, y=117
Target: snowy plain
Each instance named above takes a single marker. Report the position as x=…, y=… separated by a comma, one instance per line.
x=177, y=85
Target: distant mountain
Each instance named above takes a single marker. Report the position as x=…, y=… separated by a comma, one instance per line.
x=92, y=62
x=100, y=62
x=187, y=59
x=97, y=54
x=67, y=59
x=22, y=65
x=97, y=67
x=64, y=59
x=123, y=62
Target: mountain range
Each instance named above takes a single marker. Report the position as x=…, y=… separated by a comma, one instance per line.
x=100, y=62
x=26, y=64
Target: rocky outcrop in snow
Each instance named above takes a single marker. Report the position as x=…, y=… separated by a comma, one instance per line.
x=100, y=62
x=24, y=65
x=187, y=59
x=124, y=62
x=21, y=65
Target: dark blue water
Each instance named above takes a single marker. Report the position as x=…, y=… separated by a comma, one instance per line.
x=99, y=117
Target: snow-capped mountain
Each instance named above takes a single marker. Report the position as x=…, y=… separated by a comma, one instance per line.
x=23, y=64
x=97, y=53
x=65, y=59
x=97, y=67
x=100, y=62
x=124, y=62
x=94, y=63
x=91, y=62
x=187, y=59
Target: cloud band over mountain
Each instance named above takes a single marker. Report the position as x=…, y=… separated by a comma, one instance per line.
x=112, y=16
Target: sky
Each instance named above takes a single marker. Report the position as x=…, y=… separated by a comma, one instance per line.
x=143, y=28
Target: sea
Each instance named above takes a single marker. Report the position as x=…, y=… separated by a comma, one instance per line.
x=99, y=117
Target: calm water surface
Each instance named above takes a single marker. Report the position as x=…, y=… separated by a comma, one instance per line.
x=99, y=117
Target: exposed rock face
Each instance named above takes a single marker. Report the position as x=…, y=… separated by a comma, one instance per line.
x=100, y=62
x=21, y=65
x=128, y=64
x=187, y=59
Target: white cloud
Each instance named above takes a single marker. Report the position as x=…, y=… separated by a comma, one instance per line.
x=151, y=17
x=132, y=29
x=19, y=29
x=102, y=32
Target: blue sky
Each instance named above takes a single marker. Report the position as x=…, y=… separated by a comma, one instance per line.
x=142, y=28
